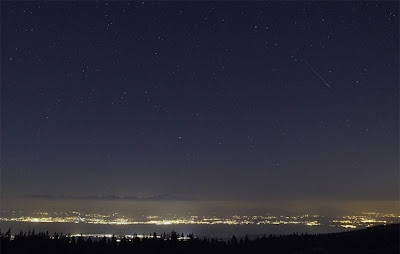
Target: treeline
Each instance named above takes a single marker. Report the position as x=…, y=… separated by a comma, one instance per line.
x=380, y=239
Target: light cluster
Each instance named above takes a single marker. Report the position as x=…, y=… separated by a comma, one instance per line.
x=347, y=221
x=366, y=219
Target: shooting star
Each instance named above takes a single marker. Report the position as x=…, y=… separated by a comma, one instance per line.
x=317, y=74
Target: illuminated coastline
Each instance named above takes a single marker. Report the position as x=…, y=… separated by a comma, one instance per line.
x=366, y=219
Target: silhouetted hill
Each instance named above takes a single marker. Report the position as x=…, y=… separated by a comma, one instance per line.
x=379, y=239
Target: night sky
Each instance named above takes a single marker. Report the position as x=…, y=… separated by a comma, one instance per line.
x=202, y=100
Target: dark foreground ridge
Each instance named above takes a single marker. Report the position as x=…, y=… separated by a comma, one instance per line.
x=379, y=239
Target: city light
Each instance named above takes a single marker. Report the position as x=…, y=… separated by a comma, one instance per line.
x=348, y=221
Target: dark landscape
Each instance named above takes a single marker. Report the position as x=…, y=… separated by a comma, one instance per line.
x=379, y=239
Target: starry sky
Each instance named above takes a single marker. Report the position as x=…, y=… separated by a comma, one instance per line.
x=202, y=100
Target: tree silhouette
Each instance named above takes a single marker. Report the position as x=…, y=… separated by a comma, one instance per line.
x=174, y=236
x=380, y=239
x=234, y=240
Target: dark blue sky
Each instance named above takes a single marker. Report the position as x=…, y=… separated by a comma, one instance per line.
x=230, y=100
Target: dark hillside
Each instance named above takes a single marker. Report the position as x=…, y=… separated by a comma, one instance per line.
x=379, y=239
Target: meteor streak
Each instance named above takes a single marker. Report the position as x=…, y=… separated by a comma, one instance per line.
x=318, y=74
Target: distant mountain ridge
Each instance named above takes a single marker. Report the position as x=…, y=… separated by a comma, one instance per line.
x=158, y=197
